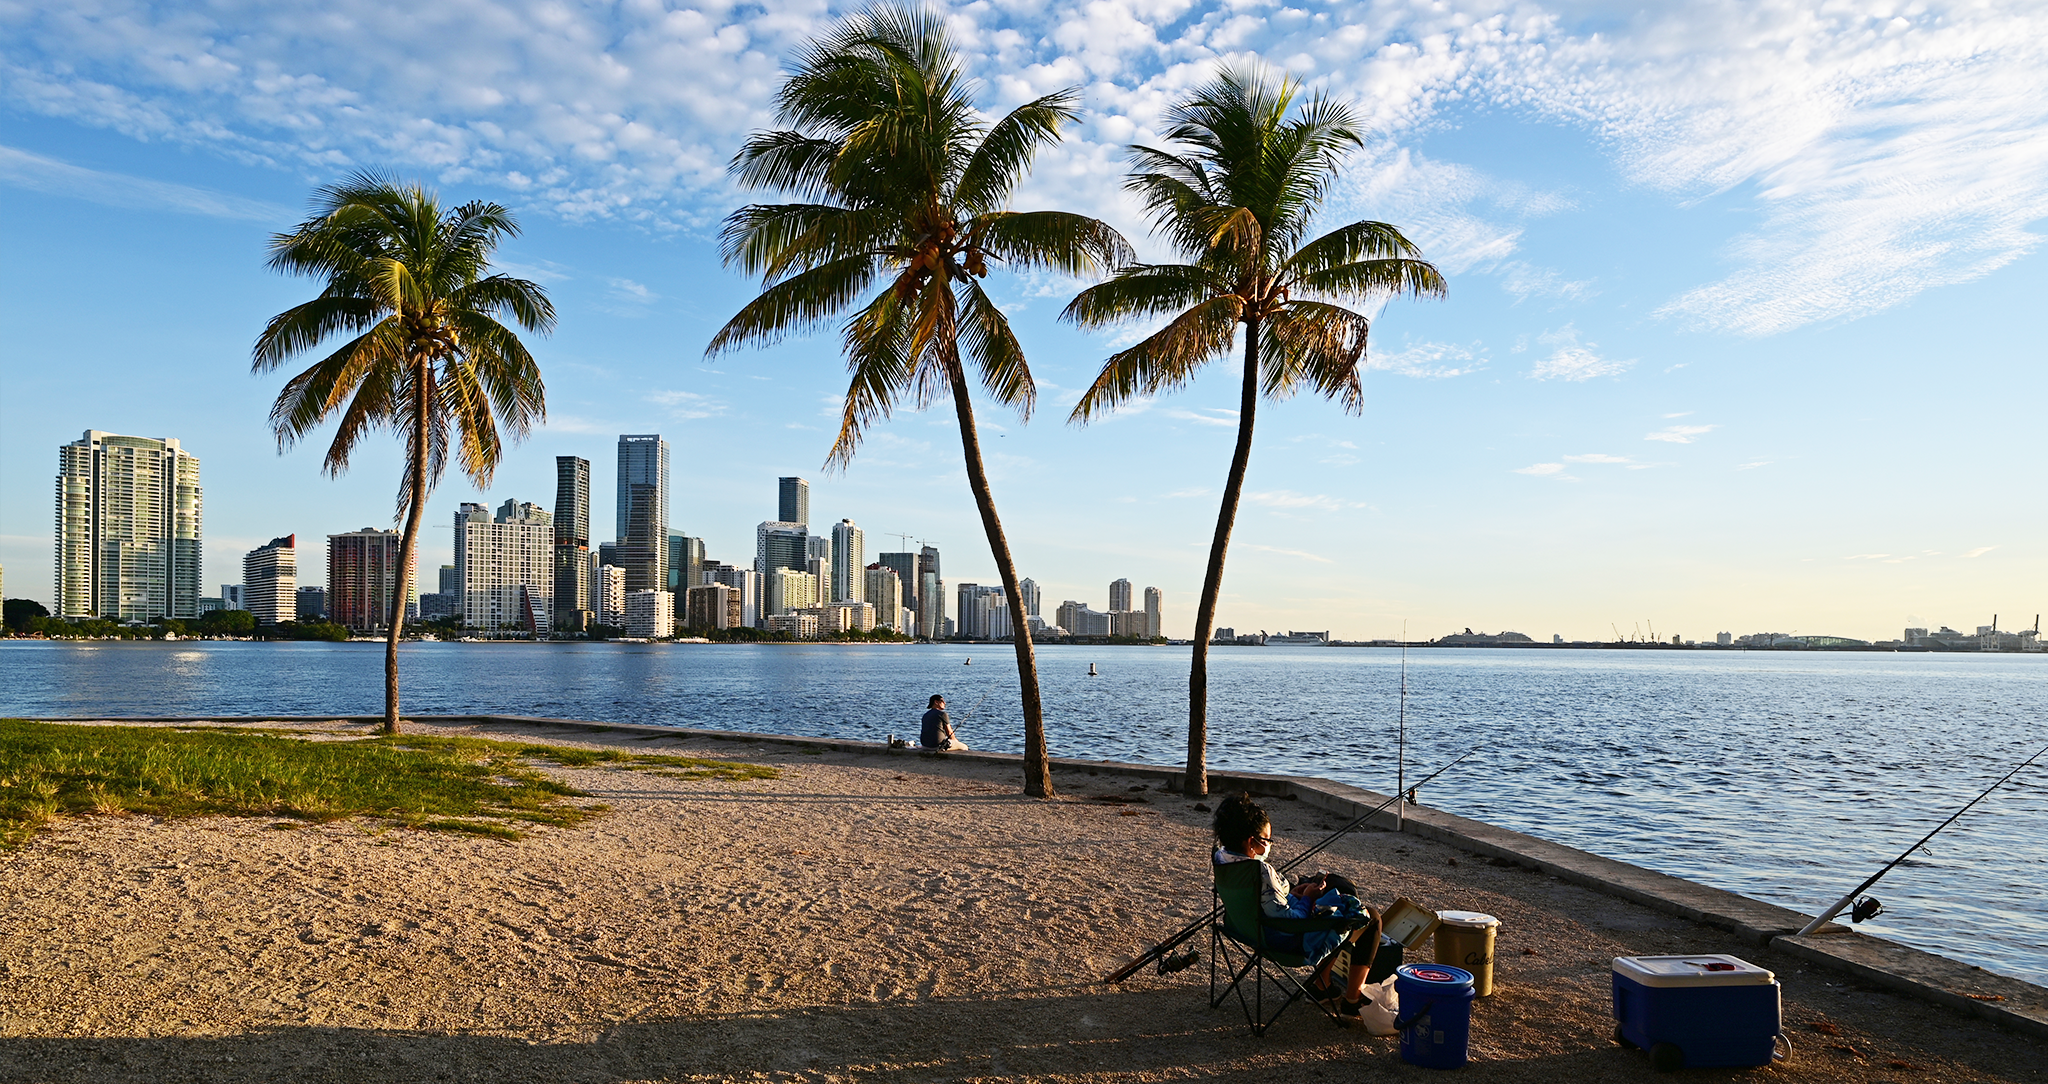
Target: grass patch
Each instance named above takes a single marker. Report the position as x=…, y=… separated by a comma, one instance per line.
x=450, y=784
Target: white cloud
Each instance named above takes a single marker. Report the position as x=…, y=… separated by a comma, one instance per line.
x=687, y=405
x=1680, y=434
x=1225, y=418
x=1573, y=360
x=1876, y=151
x=1543, y=470
x=21, y=169
x=1287, y=498
x=1431, y=360
x=1980, y=551
x=1303, y=554
x=1597, y=457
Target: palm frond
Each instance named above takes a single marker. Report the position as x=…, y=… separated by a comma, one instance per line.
x=877, y=343
x=1144, y=292
x=1317, y=345
x=1004, y=155
x=796, y=304
x=986, y=340
x=1164, y=361
x=1053, y=240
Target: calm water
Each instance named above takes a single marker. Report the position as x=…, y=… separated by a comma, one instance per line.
x=1787, y=777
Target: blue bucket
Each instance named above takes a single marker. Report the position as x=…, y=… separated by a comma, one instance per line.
x=1435, y=1014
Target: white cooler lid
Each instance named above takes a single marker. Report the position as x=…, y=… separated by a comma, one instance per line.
x=1704, y=969
x=1471, y=920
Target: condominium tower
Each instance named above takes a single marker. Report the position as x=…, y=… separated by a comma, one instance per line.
x=849, y=560
x=507, y=566
x=573, y=603
x=1120, y=595
x=128, y=528
x=270, y=581
x=643, y=511
x=362, y=578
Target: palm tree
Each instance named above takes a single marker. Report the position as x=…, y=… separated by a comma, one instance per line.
x=426, y=355
x=906, y=190
x=1237, y=200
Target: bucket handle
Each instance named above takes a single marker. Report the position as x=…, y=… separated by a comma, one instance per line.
x=1403, y=1023
x=1781, y=1039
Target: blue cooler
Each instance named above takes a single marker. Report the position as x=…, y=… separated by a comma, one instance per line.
x=1693, y=1012
x=1435, y=1015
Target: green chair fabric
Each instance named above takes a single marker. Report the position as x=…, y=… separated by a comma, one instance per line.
x=1241, y=934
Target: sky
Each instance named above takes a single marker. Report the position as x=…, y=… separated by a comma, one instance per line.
x=1735, y=338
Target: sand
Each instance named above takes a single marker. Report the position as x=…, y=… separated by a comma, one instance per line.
x=866, y=917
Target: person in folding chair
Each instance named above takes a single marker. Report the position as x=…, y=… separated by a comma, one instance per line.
x=1291, y=924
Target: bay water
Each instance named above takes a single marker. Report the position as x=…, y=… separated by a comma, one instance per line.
x=1785, y=776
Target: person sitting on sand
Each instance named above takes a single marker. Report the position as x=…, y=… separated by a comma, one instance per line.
x=1244, y=833
x=938, y=729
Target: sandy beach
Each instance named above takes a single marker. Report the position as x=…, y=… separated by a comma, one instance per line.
x=866, y=917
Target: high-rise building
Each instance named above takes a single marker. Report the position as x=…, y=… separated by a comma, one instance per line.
x=905, y=566
x=849, y=560
x=1155, y=603
x=931, y=596
x=611, y=596
x=450, y=580
x=362, y=578
x=793, y=503
x=846, y=616
x=781, y=544
x=1079, y=620
x=685, y=561
x=270, y=581
x=232, y=597
x=129, y=512
x=572, y=595
x=819, y=563
x=984, y=614
x=746, y=582
x=310, y=603
x=643, y=511
x=789, y=590
x=712, y=606
x=1029, y=589
x=883, y=589
x=650, y=615
x=1120, y=595
x=508, y=568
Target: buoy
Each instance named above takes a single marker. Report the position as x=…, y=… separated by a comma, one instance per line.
x=1091, y=670
x=969, y=662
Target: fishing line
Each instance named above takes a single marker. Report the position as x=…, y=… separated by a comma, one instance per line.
x=1868, y=907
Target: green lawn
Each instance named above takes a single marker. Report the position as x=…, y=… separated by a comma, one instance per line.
x=441, y=783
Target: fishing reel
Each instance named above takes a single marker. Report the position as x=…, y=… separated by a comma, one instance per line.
x=1178, y=962
x=1865, y=909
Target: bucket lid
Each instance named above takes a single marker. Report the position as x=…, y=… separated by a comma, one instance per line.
x=1468, y=919
x=1435, y=975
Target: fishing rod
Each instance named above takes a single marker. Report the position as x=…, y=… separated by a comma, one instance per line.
x=1159, y=951
x=1401, y=739
x=1868, y=907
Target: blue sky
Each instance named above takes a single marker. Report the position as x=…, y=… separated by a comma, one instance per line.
x=1735, y=337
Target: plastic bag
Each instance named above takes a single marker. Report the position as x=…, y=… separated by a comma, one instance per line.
x=1378, y=1012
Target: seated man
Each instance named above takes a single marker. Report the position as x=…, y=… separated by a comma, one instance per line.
x=937, y=731
x=1245, y=834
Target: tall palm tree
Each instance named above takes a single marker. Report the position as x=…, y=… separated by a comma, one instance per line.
x=905, y=190
x=427, y=355
x=1236, y=198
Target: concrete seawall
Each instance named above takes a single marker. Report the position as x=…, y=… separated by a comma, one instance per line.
x=2013, y=1003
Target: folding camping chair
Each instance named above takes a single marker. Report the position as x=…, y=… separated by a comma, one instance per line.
x=1242, y=934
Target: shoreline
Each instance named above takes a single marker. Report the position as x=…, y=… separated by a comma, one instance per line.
x=2009, y=1002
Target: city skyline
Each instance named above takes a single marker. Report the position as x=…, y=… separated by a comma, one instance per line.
x=1735, y=338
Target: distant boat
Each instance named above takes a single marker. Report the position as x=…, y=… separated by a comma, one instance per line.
x=1091, y=670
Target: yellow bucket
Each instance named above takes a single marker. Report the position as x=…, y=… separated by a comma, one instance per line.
x=1465, y=939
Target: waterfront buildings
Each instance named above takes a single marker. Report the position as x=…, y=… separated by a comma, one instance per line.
x=789, y=589
x=611, y=596
x=781, y=544
x=685, y=562
x=1028, y=588
x=882, y=588
x=931, y=596
x=712, y=606
x=800, y=624
x=846, y=617
x=1079, y=620
x=818, y=562
x=311, y=604
x=507, y=564
x=362, y=578
x=270, y=581
x=643, y=511
x=650, y=615
x=905, y=566
x=573, y=606
x=793, y=501
x=1155, y=606
x=1120, y=595
x=129, y=513
x=231, y=595
x=849, y=560
x=984, y=613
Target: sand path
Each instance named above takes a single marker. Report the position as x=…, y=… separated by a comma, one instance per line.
x=863, y=918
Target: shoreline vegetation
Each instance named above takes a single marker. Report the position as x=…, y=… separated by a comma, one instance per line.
x=298, y=776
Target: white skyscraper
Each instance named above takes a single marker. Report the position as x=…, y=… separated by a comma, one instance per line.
x=790, y=590
x=849, y=560
x=611, y=596
x=651, y=615
x=1120, y=596
x=819, y=563
x=508, y=568
x=128, y=529
x=270, y=581
x=1155, y=602
x=1029, y=589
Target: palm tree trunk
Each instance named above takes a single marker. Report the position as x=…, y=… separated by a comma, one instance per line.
x=1196, y=783
x=1037, y=767
x=407, y=546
